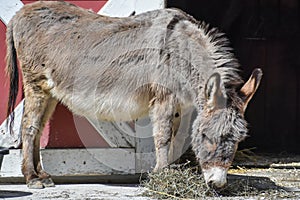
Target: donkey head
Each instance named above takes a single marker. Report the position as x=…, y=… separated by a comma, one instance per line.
x=221, y=126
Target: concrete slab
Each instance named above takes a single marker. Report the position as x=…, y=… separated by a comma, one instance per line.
x=74, y=192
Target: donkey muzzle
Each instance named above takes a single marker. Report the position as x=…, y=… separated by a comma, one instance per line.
x=215, y=177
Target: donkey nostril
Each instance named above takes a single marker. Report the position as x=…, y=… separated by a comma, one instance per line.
x=215, y=185
x=210, y=184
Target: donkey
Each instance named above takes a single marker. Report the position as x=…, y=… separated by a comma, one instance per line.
x=124, y=68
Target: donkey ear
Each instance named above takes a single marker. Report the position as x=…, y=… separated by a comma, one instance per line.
x=214, y=93
x=250, y=87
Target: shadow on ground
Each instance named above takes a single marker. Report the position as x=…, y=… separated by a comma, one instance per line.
x=246, y=186
x=260, y=183
x=12, y=194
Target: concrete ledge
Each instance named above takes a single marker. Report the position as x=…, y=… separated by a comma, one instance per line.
x=77, y=165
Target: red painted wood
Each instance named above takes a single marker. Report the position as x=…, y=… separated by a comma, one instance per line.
x=4, y=83
x=70, y=131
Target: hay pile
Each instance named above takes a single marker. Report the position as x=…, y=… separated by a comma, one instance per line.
x=178, y=181
x=185, y=182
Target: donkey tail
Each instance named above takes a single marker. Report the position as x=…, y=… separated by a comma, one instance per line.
x=12, y=73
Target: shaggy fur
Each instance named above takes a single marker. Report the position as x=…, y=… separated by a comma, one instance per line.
x=122, y=68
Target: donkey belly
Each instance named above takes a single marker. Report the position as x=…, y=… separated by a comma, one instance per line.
x=104, y=106
x=121, y=109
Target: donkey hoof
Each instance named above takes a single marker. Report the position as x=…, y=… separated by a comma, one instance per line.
x=155, y=170
x=159, y=168
x=35, y=184
x=48, y=182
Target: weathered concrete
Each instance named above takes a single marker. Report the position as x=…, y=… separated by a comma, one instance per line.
x=74, y=192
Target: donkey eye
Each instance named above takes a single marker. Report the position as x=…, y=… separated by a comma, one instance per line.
x=226, y=136
x=207, y=138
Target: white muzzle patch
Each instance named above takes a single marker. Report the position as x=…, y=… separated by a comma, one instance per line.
x=215, y=177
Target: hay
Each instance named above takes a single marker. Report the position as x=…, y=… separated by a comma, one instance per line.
x=185, y=182
x=246, y=155
x=176, y=182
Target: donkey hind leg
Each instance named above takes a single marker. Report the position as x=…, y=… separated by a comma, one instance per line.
x=36, y=104
x=43, y=175
x=162, y=114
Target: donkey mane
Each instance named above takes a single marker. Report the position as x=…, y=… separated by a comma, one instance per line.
x=219, y=48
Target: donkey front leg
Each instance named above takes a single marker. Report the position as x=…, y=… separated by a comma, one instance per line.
x=161, y=114
x=35, y=111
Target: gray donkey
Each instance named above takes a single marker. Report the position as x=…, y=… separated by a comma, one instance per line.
x=124, y=68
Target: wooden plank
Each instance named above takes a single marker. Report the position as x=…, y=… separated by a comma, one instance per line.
x=144, y=147
x=75, y=162
x=66, y=125
x=124, y=8
x=116, y=134
x=6, y=138
x=8, y=9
